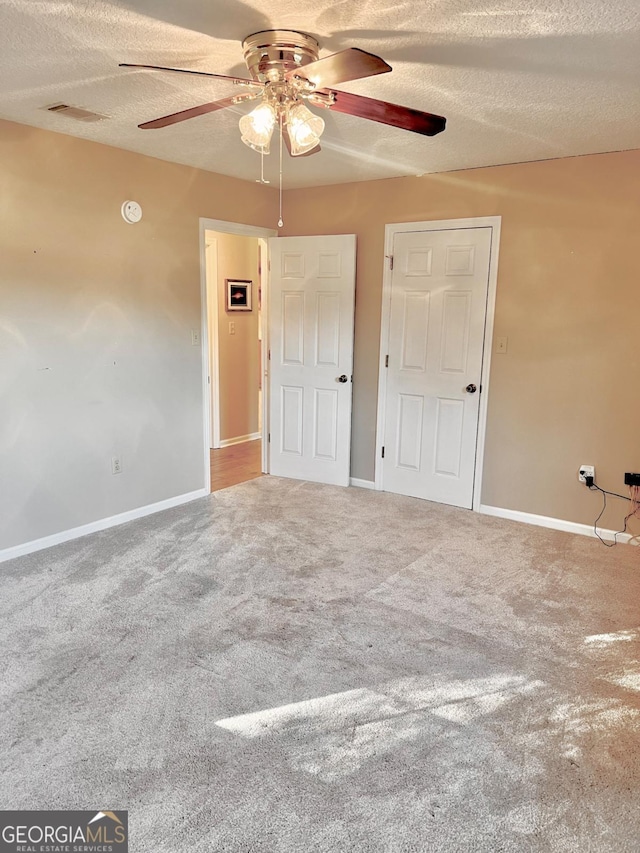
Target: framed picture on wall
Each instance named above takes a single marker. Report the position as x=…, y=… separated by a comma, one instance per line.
x=238, y=294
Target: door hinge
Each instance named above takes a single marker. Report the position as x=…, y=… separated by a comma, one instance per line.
x=383, y=452
x=208, y=380
x=269, y=354
x=269, y=264
x=390, y=261
x=386, y=361
x=269, y=438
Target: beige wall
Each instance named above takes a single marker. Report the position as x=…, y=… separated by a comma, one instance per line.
x=96, y=318
x=565, y=394
x=238, y=353
x=95, y=328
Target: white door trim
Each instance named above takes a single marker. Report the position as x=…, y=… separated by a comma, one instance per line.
x=244, y=231
x=494, y=222
x=263, y=254
x=211, y=250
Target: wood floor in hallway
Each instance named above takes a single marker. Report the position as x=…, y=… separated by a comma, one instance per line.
x=235, y=464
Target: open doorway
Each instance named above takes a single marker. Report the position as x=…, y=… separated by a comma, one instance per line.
x=234, y=269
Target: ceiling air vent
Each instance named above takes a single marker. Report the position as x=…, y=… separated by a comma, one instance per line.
x=76, y=113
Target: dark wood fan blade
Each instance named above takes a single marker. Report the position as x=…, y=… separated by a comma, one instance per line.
x=197, y=73
x=287, y=142
x=183, y=115
x=392, y=114
x=350, y=64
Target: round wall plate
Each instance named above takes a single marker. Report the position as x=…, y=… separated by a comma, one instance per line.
x=131, y=212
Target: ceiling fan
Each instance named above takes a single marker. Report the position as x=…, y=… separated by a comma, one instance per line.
x=285, y=72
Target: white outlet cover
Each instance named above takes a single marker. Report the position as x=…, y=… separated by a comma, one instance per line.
x=589, y=471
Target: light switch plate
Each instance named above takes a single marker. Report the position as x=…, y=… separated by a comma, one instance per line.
x=501, y=344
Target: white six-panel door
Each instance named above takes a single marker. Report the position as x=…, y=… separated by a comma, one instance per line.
x=436, y=335
x=311, y=287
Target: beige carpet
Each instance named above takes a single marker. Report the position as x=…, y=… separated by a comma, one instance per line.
x=286, y=667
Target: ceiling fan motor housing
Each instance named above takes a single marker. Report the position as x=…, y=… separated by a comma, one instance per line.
x=270, y=54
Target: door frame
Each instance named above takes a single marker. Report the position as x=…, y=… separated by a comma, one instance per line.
x=493, y=222
x=210, y=344
x=211, y=282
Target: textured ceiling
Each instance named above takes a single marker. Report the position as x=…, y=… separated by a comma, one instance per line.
x=516, y=80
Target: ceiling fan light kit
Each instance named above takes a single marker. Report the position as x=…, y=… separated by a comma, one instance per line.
x=256, y=128
x=273, y=58
x=305, y=128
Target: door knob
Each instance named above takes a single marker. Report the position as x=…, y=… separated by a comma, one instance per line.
x=471, y=389
x=343, y=378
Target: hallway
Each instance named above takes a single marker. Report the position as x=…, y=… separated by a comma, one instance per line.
x=236, y=464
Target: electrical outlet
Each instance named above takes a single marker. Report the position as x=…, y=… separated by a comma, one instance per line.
x=195, y=338
x=586, y=471
x=232, y=328
x=116, y=465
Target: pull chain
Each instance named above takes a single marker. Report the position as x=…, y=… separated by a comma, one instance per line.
x=262, y=180
x=280, y=221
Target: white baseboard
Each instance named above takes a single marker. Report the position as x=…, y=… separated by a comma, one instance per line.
x=240, y=439
x=361, y=484
x=95, y=526
x=554, y=523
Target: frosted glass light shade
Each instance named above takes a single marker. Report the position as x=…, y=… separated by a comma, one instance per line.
x=256, y=128
x=305, y=128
